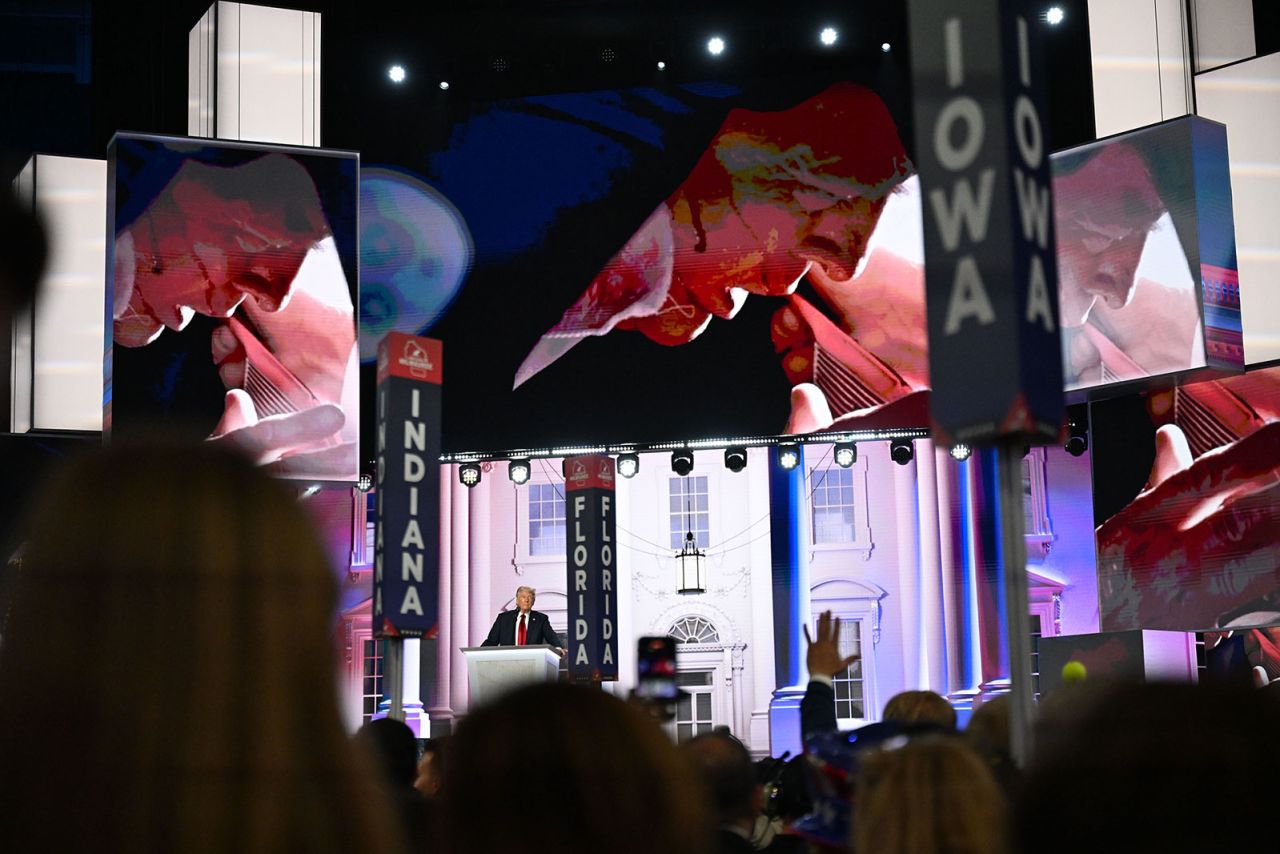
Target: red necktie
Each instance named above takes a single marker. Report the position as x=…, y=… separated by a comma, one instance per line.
x=520, y=635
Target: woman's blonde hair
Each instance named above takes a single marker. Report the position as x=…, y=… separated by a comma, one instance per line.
x=931, y=796
x=167, y=680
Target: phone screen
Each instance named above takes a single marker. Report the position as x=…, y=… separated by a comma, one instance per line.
x=656, y=665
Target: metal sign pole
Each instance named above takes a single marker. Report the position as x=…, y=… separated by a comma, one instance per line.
x=393, y=676
x=1013, y=554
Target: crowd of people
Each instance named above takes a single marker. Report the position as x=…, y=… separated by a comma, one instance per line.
x=130, y=721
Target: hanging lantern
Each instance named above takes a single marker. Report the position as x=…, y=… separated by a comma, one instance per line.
x=689, y=567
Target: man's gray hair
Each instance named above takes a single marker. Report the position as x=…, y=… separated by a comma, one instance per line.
x=523, y=587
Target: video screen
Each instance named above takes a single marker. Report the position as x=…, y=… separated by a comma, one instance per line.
x=231, y=300
x=708, y=260
x=666, y=263
x=1187, y=500
x=1147, y=277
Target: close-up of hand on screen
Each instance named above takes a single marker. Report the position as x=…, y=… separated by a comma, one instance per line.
x=1199, y=539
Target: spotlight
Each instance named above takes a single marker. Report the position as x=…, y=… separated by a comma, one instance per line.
x=396, y=73
x=469, y=474
x=901, y=451
x=499, y=64
x=518, y=471
x=828, y=36
x=960, y=452
x=682, y=462
x=628, y=464
x=735, y=458
x=885, y=47
x=846, y=454
x=1077, y=438
x=788, y=455
x=365, y=483
x=715, y=46
x=661, y=65
x=1054, y=15
x=608, y=55
x=444, y=85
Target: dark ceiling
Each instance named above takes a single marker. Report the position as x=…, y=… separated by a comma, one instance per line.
x=72, y=72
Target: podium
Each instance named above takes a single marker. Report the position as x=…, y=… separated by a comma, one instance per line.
x=494, y=670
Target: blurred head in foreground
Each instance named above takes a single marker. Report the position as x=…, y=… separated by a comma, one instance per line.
x=589, y=772
x=933, y=795
x=167, y=680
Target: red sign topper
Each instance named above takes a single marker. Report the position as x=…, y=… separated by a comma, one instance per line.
x=410, y=357
x=589, y=472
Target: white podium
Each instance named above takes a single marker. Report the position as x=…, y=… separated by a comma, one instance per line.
x=494, y=670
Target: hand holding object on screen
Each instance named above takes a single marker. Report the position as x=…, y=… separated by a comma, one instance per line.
x=823, y=655
x=1199, y=540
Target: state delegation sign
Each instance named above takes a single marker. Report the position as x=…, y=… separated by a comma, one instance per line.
x=406, y=563
x=591, y=567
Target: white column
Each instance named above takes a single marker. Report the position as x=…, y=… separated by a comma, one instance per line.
x=441, y=697
x=945, y=471
x=761, y=653
x=414, y=713
x=932, y=662
x=480, y=566
x=908, y=533
x=459, y=569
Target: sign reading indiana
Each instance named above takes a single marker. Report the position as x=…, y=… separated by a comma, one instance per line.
x=592, y=567
x=407, y=545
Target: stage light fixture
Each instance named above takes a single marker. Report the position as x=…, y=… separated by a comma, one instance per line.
x=661, y=65
x=715, y=45
x=608, y=55
x=885, y=47
x=901, y=451
x=469, y=474
x=365, y=483
x=828, y=36
x=396, y=73
x=444, y=84
x=628, y=464
x=846, y=454
x=1054, y=15
x=682, y=462
x=735, y=458
x=1077, y=438
x=788, y=455
x=519, y=471
x=960, y=452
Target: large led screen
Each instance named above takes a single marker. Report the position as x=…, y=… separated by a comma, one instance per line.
x=1187, y=492
x=231, y=304
x=716, y=260
x=690, y=261
x=1147, y=277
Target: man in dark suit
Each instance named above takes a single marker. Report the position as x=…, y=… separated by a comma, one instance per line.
x=523, y=626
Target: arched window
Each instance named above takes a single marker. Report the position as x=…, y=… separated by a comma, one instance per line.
x=693, y=630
